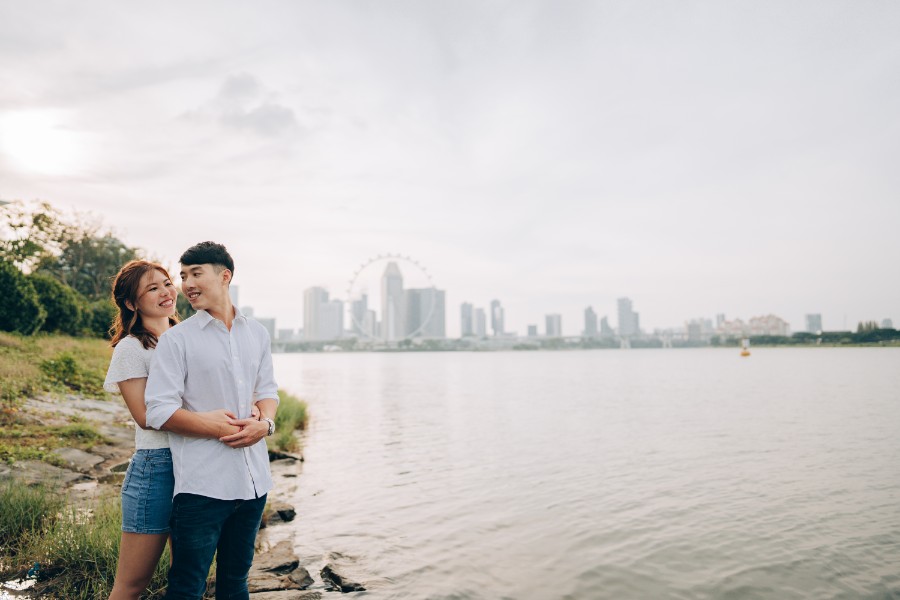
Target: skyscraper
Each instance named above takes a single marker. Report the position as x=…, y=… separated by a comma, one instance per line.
x=314, y=299
x=425, y=314
x=554, y=325
x=590, y=322
x=605, y=330
x=480, y=324
x=392, y=311
x=497, y=317
x=629, y=321
x=466, y=326
x=814, y=323
x=361, y=323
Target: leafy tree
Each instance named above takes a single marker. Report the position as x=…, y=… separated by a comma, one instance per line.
x=31, y=233
x=62, y=304
x=183, y=306
x=89, y=262
x=20, y=308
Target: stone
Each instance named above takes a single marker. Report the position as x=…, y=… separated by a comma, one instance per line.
x=279, y=559
x=286, y=595
x=339, y=582
x=32, y=472
x=281, y=511
x=79, y=460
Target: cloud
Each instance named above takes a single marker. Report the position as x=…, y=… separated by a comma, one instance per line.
x=267, y=120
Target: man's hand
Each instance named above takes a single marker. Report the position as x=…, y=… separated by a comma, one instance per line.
x=252, y=430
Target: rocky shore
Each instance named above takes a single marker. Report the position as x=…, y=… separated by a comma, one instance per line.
x=90, y=474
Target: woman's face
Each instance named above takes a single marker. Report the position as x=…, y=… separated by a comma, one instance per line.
x=156, y=295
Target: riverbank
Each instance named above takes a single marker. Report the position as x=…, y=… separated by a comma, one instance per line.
x=65, y=450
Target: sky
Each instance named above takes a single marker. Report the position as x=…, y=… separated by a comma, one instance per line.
x=698, y=157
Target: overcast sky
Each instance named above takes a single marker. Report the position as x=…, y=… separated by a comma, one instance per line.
x=698, y=157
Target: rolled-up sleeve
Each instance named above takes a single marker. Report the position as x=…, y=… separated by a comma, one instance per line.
x=265, y=386
x=165, y=385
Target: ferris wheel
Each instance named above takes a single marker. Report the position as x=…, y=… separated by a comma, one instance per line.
x=376, y=269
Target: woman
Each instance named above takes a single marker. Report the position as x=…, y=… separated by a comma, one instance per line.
x=145, y=298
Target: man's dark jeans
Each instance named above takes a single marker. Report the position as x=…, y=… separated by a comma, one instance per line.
x=200, y=527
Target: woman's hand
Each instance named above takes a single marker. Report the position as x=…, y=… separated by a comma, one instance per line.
x=221, y=418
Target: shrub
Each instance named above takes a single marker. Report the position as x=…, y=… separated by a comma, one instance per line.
x=20, y=309
x=65, y=370
x=61, y=303
x=98, y=317
x=291, y=415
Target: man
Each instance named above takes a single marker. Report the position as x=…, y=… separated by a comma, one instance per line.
x=217, y=359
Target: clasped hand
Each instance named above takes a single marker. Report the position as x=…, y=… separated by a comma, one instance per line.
x=239, y=433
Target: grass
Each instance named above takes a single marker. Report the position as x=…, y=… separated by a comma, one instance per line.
x=291, y=416
x=24, y=510
x=76, y=551
x=70, y=364
x=30, y=441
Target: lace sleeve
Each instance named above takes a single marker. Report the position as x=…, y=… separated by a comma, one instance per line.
x=130, y=360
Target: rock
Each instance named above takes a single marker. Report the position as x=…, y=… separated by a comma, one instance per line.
x=339, y=582
x=281, y=511
x=280, y=559
x=79, y=460
x=286, y=595
x=302, y=578
x=32, y=472
x=279, y=455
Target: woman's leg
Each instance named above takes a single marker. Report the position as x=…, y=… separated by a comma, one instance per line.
x=138, y=556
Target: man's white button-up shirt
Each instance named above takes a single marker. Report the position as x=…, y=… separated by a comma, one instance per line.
x=200, y=365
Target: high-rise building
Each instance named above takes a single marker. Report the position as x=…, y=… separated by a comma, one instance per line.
x=629, y=320
x=314, y=299
x=554, y=325
x=814, y=323
x=233, y=292
x=480, y=323
x=361, y=321
x=720, y=319
x=425, y=313
x=605, y=330
x=269, y=324
x=532, y=331
x=590, y=322
x=466, y=325
x=392, y=310
x=497, y=317
x=887, y=324
x=331, y=323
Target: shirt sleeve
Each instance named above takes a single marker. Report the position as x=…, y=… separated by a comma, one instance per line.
x=265, y=386
x=129, y=361
x=165, y=385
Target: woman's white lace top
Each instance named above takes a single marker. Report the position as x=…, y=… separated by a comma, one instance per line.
x=130, y=360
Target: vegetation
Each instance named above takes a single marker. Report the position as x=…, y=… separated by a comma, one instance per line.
x=75, y=549
x=62, y=304
x=21, y=309
x=291, y=416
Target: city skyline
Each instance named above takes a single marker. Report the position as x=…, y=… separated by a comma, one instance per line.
x=714, y=158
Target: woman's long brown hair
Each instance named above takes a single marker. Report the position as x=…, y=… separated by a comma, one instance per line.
x=125, y=289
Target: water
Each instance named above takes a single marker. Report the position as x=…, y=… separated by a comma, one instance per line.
x=603, y=474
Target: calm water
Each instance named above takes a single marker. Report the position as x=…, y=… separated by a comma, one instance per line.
x=603, y=474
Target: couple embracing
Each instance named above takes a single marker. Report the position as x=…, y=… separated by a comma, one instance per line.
x=203, y=395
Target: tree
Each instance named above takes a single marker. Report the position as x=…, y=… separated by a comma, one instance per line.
x=20, y=308
x=62, y=304
x=88, y=263
x=31, y=233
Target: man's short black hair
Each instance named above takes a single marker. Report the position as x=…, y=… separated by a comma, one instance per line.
x=208, y=253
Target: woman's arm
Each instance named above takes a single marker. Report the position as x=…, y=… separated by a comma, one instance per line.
x=212, y=424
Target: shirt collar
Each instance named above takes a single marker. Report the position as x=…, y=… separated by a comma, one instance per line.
x=205, y=318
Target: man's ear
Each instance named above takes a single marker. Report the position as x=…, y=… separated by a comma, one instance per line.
x=226, y=276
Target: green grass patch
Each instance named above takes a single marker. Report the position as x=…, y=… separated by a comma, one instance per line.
x=21, y=374
x=29, y=441
x=77, y=552
x=25, y=510
x=291, y=416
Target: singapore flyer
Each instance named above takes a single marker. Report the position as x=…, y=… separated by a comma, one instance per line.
x=392, y=298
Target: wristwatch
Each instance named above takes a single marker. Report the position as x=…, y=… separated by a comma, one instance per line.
x=271, y=425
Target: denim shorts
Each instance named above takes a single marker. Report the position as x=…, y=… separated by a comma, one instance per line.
x=147, y=492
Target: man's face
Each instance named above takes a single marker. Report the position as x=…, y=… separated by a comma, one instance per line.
x=203, y=286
